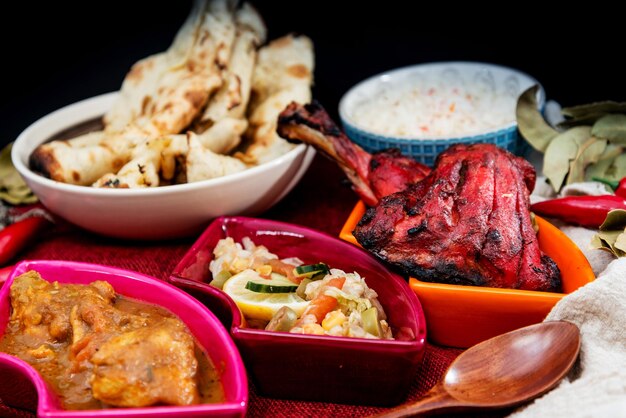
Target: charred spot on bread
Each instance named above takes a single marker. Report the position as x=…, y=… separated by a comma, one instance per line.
x=43, y=161
x=298, y=71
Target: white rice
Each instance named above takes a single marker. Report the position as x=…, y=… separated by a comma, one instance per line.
x=431, y=108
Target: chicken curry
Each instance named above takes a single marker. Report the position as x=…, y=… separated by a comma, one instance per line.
x=98, y=349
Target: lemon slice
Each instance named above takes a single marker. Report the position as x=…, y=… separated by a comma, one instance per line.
x=255, y=305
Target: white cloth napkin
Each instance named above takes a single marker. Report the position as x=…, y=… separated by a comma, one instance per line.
x=596, y=386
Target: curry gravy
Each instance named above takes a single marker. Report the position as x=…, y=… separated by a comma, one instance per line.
x=35, y=333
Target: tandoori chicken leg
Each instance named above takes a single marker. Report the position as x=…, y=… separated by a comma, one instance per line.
x=373, y=176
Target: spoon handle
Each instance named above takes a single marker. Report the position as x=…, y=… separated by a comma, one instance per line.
x=435, y=398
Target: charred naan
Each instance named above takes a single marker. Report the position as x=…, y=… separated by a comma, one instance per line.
x=284, y=73
x=80, y=160
x=180, y=112
x=162, y=94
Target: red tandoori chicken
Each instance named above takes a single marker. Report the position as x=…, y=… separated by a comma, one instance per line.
x=466, y=222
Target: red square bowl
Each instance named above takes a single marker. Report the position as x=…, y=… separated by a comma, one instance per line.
x=310, y=367
x=461, y=316
x=21, y=385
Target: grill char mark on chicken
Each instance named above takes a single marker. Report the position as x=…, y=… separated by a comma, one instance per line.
x=373, y=176
x=468, y=222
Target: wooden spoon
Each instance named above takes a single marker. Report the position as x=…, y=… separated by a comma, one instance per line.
x=504, y=371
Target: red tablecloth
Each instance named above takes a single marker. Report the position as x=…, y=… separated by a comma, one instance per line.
x=322, y=200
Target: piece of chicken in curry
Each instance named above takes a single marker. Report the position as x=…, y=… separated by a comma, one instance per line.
x=98, y=349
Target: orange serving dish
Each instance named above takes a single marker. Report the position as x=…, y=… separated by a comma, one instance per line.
x=461, y=316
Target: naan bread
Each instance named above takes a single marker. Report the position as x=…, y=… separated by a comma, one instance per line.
x=213, y=81
x=161, y=95
x=173, y=159
x=150, y=88
x=227, y=108
x=204, y=164
x=152, y=162
x=224, y=135
x=141, y=171
x=138, y=90
x=81, y=160
x=183, y=91
x=232, y=98
x=284, y=73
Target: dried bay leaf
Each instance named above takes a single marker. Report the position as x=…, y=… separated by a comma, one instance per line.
x=533, y=127
x=17, y=200
x=615, y=219
x=603, y=168
x=12, y=180
x=585, y=110
x=620, y=243
x=588, y=153
x=561, y=151
x=20, y=191
x=6, y=165
x=619, y=167
x=13, y=189
x=605, y=240
x=611, y=127
x=586, y=121
x=596, y=243
x=598, y=170
x=612, y=234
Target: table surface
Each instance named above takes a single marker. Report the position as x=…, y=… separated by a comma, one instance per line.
x=322, y=200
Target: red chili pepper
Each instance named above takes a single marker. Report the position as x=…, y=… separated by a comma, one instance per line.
x=620, y=190
x=619, y=187
x=587, y=211
x=16, y=236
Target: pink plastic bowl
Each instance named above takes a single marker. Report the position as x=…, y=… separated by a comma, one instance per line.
x=307, y=367
x=209, y=332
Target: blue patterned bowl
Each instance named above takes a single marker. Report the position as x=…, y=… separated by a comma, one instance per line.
x=501, y=80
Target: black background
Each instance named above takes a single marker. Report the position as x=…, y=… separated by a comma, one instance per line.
x=57, y=53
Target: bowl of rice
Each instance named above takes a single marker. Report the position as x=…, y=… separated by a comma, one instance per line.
x=423, y=109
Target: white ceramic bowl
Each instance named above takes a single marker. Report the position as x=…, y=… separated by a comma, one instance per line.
x=501, y=80
x=152, y=213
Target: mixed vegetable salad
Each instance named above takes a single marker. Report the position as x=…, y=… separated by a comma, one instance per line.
x=290, y=296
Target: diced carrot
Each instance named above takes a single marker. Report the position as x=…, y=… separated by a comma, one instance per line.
x=320, y=306
x=336, y=282
x=324, y=304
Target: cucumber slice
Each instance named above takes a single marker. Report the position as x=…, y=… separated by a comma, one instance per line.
x=270, y=288
x=311, y=270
